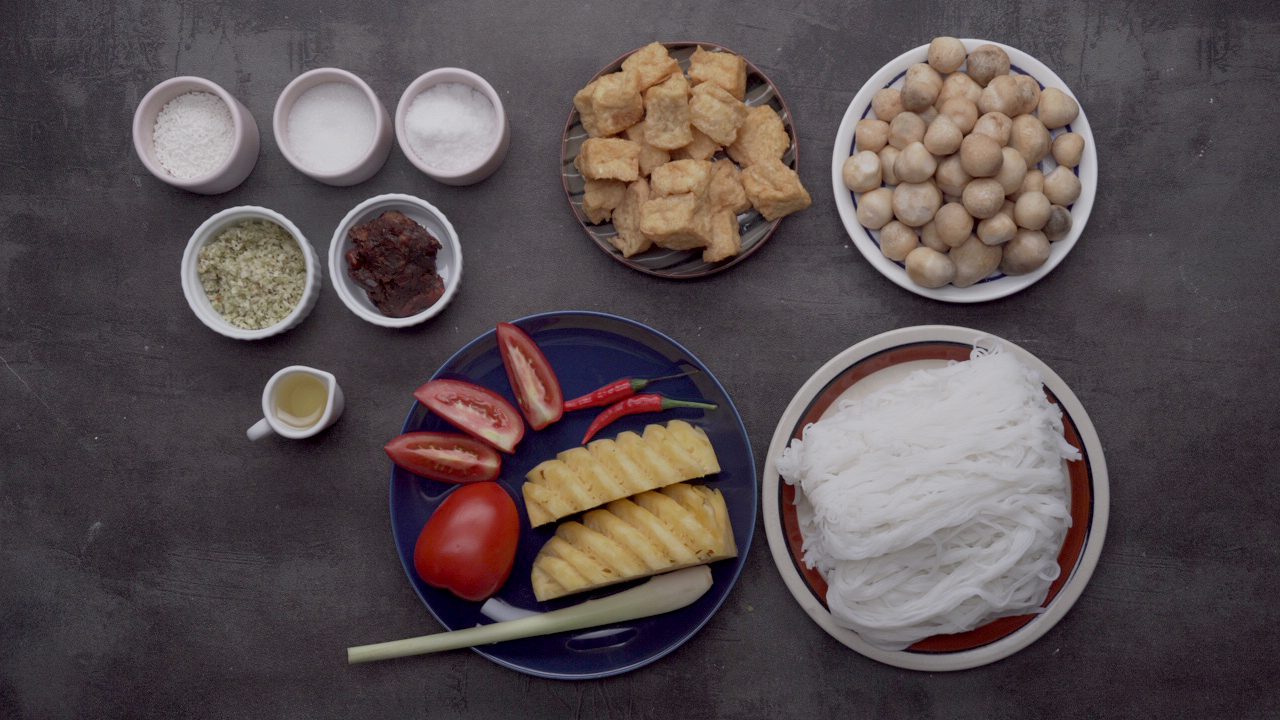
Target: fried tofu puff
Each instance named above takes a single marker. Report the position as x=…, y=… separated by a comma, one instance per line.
x=626, y=220
x=674, y=222
x=616, y=103
x=666, y=107
x=761, y=137
x=774, y=189
x=725, y=69
x=609, y=159
x=600, y=197
x=723, y=238
x=650, y=156
x=651, y=65
x=680, y=176
x=724, y=189
x=700, y=147
x=716, y=113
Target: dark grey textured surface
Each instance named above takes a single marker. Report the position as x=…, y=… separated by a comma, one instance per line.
x=153, y=563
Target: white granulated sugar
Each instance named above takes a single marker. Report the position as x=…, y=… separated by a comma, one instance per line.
x=451, y=126
x=331, y=127
x=193, y=135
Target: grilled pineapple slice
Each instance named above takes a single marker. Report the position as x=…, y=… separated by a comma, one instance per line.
x=606, y=470
x=653, y=532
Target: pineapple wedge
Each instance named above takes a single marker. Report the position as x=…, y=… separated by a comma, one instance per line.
x=654, y=532
x=606, y=470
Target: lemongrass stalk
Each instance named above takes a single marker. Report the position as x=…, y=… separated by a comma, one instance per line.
x=658, y=595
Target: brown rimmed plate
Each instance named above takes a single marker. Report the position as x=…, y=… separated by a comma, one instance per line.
x=884, y=359
x=677, y=264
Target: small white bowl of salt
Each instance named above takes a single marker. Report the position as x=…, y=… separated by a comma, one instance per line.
x=331, y=126
x=451, y=125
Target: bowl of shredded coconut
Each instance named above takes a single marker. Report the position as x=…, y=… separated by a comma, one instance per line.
x=451, y=125
x=248, y=273
x=192, y=134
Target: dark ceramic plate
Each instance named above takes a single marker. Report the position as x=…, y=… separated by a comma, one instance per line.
x=677, y=264
x=587, y=350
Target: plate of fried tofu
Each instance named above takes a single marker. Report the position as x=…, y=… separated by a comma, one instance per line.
x=679, y=159
x=652, y=493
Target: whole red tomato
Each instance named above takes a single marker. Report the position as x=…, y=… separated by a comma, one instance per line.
x=469, y=543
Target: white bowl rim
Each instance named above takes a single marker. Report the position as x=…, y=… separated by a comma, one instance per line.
x=418, y=86
x=982, y=291
x=191, y=286
x=279, y=121
x=342, y=283
x=146, y=155
x=1007, y=645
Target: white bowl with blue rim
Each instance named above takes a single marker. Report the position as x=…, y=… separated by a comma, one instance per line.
x=997, y=285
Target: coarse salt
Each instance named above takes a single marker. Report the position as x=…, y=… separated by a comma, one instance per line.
x=193, y=135
x=331, y=127
x=452, y=126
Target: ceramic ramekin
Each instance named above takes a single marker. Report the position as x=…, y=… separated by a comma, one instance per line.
x=448, y=259
x=244, y=150
x=364, y=168
x=501, y=141
x=194, y=291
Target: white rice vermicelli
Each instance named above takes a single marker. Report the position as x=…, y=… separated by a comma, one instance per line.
x=936, y=504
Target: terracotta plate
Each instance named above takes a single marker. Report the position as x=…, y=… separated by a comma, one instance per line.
x=884, y=359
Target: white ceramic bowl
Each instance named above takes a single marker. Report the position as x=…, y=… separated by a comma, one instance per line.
x=194, y=291
x=998, y=285
x=244, y=150
x=497, y=151
x=448, y=259
x=364, y=168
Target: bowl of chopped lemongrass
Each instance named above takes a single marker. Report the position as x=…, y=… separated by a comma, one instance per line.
x=248, y=273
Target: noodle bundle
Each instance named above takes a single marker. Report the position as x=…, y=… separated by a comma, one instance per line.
x=936, y=504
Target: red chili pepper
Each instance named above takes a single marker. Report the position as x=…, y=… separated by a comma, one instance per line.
x=617, y=390
x=635, y=405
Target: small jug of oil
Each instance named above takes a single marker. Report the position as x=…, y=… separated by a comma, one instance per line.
x=298, y=402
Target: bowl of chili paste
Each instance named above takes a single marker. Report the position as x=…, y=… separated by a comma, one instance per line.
x=395, y=260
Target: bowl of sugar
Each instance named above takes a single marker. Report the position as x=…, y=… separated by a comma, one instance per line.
x=331, y=127
x=451, y=125
x=192, y=134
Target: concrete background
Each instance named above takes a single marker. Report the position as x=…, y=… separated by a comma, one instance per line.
x=155, y=564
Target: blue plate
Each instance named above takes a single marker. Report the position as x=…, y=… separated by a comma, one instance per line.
x=587, y=350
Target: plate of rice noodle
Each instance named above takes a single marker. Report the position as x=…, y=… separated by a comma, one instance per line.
x=935, y=498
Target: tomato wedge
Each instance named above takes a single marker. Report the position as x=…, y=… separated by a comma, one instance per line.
x=478, y=411
x=447, y=457
x=534, y=382
x=468, y=545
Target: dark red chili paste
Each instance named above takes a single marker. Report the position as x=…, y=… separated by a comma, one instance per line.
x=394, y=259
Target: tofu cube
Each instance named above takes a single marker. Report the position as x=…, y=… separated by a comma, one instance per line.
x=761, y=137
x=666, y=107
x=725, y=69
x=724, y=189
x=601, y=197
x=674, y=222
x=716, y=113
x=650, y=156
x=651, y=65
x=774, y=189
x=609, y=159
x=626, y=220
x=700, y=148
x=723, y=238
x=679, y=177
x=616, y=103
